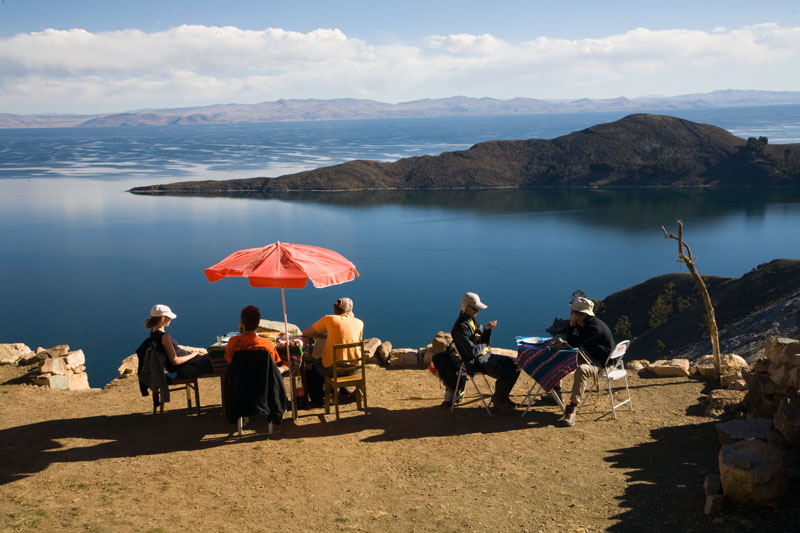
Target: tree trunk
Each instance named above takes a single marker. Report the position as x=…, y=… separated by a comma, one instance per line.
x=713, y=332
x=685, y=256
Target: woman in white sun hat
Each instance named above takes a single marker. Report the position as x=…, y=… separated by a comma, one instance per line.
x=183, y=364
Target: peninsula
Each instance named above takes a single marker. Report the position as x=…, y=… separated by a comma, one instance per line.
x=640, y=150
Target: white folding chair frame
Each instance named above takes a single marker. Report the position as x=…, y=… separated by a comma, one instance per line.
x=463, y=371
x=614, y=370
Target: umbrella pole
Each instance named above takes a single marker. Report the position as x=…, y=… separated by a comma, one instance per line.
x=289, y=357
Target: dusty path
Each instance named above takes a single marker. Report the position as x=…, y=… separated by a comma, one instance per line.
x=99, y=461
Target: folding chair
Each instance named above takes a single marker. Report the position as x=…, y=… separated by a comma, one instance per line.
x=346, y=373
x=614, y=369
x=463, y=371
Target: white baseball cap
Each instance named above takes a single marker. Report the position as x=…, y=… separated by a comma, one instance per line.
x=162, y=310
x=473, y=300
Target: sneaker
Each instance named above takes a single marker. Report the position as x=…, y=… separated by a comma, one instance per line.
x=505, y=409
x=569, y=415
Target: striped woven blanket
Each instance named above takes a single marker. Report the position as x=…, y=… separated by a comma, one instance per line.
x=544, y=365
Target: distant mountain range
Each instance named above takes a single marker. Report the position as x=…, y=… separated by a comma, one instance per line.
x=352, y=109
x=639, y=150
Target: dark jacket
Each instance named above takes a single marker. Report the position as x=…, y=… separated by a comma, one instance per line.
x=471, y=340
x=151, y=370
x=254, y=385
x=594, y=339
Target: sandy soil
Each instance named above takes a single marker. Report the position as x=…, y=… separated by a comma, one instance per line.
x=100, y=461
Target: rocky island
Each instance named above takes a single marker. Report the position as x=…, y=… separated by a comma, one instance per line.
x=640, y=150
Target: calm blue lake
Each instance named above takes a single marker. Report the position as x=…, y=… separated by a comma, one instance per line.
x=82, y=260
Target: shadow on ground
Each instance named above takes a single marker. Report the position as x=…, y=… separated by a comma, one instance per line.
x=665, y=487
x=37, y=445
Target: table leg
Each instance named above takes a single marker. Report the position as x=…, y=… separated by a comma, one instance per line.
x=529, y=398
x=557, y=398
x=222, y=393
x=292, y=374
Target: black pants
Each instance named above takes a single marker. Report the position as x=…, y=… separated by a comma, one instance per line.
x=503, y=369
x=447, y=369
x=195, y=367
x=315, y=379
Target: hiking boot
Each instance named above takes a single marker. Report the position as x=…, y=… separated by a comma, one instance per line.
x=569, y=415
x=505, y=408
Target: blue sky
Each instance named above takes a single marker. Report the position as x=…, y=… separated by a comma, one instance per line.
x=71, y=56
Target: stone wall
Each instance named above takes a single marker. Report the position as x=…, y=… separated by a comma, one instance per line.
x=760, y=454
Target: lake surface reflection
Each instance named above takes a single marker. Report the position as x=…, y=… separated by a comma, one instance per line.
x=83, y=261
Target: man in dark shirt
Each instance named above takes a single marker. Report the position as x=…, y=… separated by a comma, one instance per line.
x=594, y=340
x=472, y=342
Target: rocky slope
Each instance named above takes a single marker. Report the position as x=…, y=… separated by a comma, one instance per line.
x=764, y=302
x=638, y=150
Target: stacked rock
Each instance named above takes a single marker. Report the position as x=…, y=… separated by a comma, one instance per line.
x=765, y=454
x=59, y=368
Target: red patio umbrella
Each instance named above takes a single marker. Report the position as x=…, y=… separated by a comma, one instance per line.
x=285, y=266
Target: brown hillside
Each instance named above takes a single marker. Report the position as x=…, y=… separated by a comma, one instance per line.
x=638, y=150
x=747, y=310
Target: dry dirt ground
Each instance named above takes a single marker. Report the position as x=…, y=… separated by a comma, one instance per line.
x=100, y=461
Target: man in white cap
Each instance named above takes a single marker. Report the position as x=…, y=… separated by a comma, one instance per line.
x=594, y=340
x=472, y=342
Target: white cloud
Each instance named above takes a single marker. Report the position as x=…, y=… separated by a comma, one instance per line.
x=79, y=71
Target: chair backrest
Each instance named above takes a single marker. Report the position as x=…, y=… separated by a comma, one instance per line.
x=615, y=357
x=349, y=365
x=218, y=361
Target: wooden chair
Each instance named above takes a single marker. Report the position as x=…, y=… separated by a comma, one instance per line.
x=346, y=373
x=187, y=384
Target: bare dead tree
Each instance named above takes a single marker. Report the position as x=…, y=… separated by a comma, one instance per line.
x=685, y=256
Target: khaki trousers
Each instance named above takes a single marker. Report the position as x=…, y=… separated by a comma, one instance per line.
x=583, y=373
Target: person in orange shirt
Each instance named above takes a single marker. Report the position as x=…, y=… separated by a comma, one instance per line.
x=249, y=340
x=339, y=328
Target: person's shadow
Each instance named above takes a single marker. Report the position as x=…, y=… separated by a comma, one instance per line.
x=30, y=448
